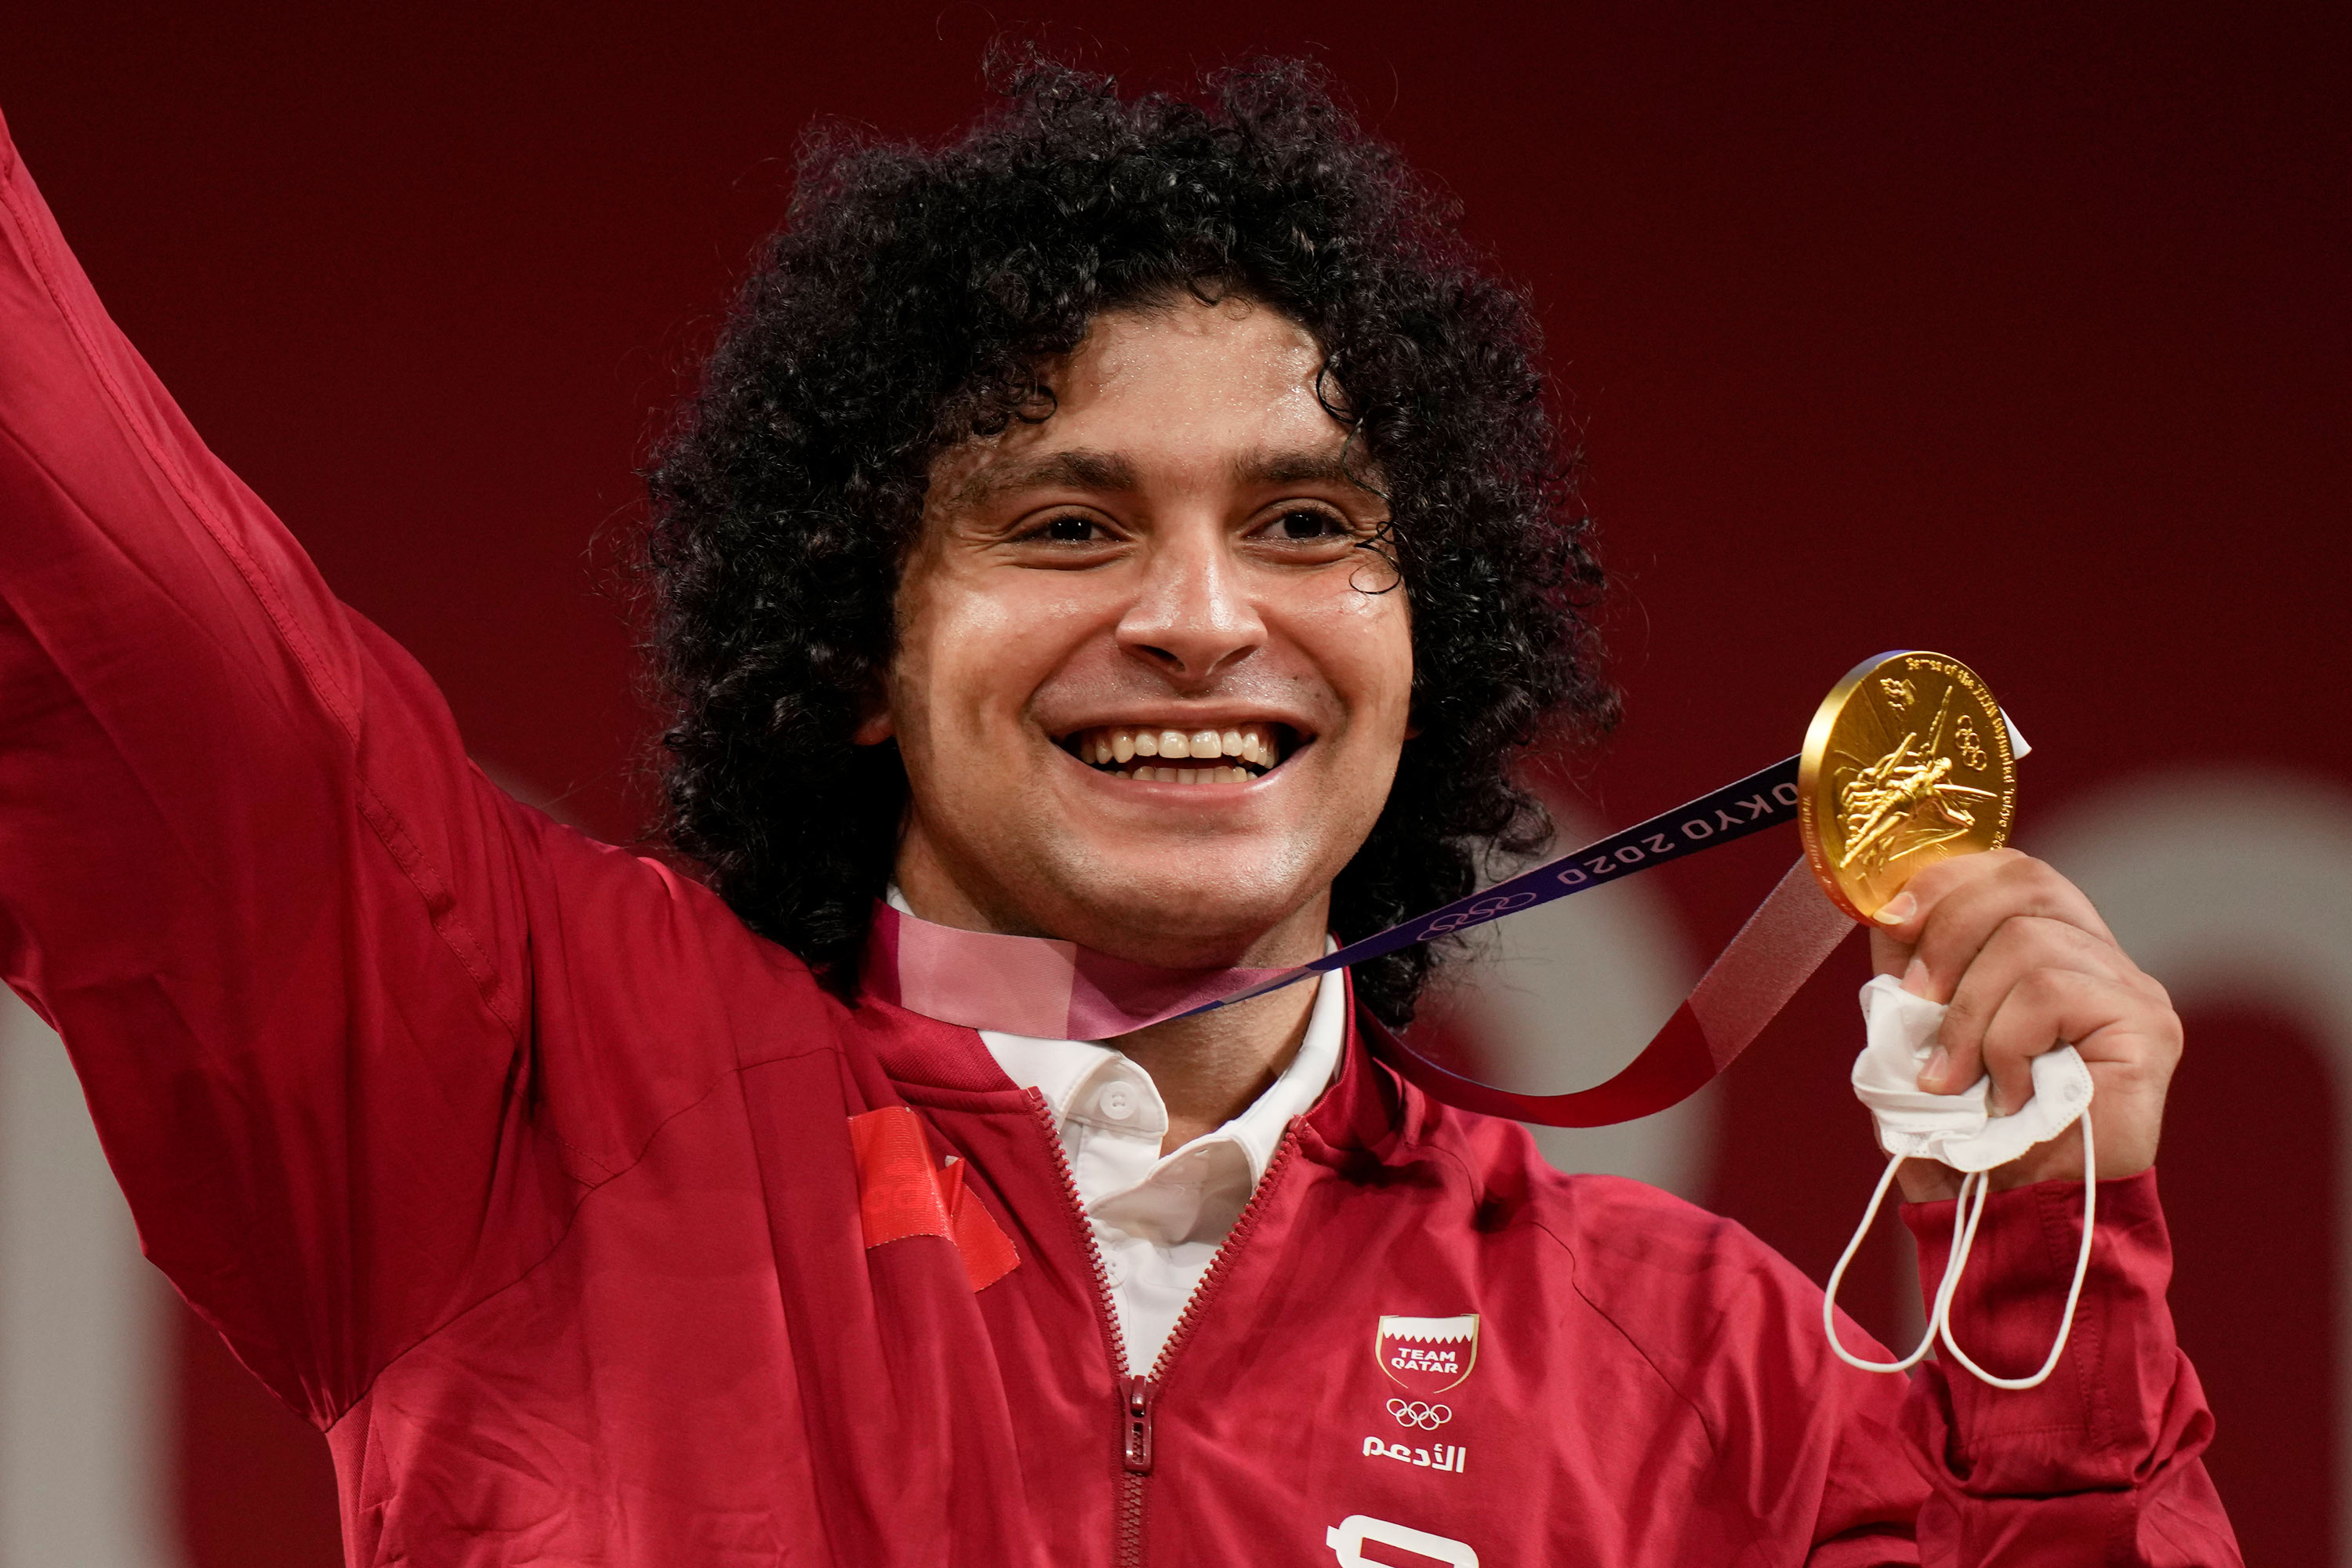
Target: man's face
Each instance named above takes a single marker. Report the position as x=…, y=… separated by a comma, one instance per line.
x=1173, y=553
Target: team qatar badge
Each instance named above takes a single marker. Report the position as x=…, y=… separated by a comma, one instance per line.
x=1426, y=1357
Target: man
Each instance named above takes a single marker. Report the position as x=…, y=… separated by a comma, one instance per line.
x=599, y=1216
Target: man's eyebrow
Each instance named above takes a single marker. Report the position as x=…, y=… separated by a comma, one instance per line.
x=1257, y=468
x=1080, y=468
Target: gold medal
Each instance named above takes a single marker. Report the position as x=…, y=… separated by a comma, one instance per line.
x=1907, y=763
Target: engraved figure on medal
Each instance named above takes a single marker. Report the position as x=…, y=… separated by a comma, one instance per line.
x=1905, y=801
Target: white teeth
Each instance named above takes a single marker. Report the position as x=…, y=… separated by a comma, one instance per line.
x=1115, y=745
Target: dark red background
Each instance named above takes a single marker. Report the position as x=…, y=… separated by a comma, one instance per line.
x=2018, y=330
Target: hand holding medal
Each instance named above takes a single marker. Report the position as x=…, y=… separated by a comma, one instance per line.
x=1908, y=788
x=2012, y=994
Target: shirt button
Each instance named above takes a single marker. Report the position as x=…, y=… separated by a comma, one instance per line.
x=1116, y=1101
x=1114, y=1269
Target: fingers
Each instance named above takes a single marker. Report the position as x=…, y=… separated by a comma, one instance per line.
x=1951, y=910
x=2024, y=963
x=2020, y=949
x=2132, y=1048
x=2043, y=1009
x=2121, y=1024
x=2116, y=1021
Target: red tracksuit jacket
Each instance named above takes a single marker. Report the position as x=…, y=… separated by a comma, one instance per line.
x=518, y=1167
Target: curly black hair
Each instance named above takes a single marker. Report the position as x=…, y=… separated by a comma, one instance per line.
x=910, y=303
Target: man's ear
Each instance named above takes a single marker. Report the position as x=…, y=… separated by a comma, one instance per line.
x=877, y=723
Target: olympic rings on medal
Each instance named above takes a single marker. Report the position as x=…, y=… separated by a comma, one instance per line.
x=1414, y=1413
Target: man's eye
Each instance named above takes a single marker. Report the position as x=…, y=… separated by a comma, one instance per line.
x=1069, y=529
x=1305, y=524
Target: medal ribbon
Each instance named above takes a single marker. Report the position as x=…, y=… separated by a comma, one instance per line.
x=1050, y=989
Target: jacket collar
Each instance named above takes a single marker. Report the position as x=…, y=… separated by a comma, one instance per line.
x=1367, y=1109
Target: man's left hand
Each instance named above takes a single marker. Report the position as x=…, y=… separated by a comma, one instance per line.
x=2026, y=964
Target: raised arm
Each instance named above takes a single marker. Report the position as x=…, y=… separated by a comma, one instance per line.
x=248, y=872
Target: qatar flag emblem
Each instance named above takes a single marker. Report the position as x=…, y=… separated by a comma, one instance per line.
x=1426, y=1357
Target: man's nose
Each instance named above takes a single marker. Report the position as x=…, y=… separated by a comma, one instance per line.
x=1194, y=619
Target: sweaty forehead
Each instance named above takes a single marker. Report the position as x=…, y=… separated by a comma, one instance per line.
x=1224, y=391
x=1236, y=343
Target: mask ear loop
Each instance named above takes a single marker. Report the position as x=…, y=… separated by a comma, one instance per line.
x=1943, y=1292
x=1968, y=1214
x=1942, y=1323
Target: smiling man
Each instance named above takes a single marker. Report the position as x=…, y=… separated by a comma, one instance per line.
x=1177, y=555
x=1131, y=529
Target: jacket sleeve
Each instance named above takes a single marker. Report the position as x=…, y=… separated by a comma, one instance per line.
x=2100, y=1463
x=248, y=873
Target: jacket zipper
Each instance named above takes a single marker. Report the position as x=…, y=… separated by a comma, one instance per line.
x=1134, y=1459
x=1137, y=1395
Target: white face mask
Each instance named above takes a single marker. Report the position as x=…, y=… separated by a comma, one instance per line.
x=1958, y=1131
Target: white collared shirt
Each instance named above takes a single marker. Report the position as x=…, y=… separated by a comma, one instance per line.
x=1159, y=1220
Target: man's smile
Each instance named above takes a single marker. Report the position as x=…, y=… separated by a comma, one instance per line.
x=1176, y=751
